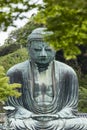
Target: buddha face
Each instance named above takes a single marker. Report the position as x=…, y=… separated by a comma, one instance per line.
x=40, y=52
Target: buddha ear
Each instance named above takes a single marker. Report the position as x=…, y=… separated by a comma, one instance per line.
x=28, y=46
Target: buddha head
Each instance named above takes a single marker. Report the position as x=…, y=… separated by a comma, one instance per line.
x=40, y=51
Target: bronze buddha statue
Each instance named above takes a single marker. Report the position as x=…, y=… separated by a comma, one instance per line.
x=49, y=90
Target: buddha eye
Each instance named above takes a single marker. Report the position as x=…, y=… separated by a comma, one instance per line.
x=37, y=49
x=48, y=49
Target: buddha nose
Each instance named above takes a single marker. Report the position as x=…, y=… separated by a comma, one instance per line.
x=43, y=53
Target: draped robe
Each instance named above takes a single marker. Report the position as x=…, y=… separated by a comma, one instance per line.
x=60, y=114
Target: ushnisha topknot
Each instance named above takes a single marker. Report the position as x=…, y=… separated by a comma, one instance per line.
x=36, y=34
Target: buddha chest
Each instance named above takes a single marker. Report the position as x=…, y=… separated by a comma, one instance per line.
x=43, y=88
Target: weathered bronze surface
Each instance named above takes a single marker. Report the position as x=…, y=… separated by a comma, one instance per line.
x=49, y=90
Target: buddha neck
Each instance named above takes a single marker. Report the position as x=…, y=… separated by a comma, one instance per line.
x=41, y=67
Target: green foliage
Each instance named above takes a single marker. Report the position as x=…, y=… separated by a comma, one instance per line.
x=83, y=93
x=12, y=10
x=67, y=20
x=20, y=36
x=8, y=48
x=13, y=58
x=7, y=89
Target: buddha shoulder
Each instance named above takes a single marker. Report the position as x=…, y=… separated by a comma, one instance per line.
x=20, y=67
x=64, y=67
